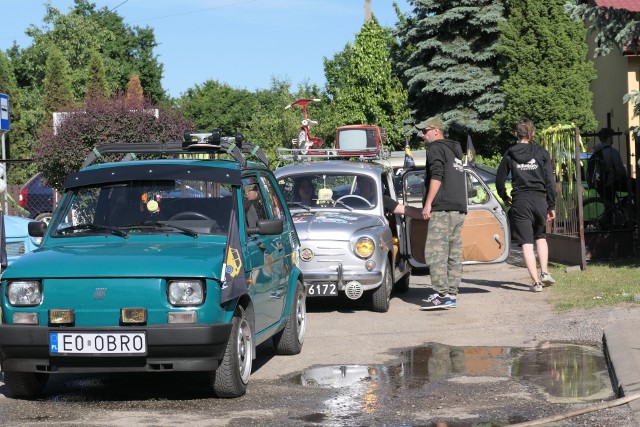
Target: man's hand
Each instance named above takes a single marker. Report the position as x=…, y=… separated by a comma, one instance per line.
x=551, y=215
x=426, y=211
x=507, y=200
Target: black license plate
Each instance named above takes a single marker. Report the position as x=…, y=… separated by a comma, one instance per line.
x=322, y=290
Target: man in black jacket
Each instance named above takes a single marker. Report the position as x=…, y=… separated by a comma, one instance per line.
x=445, y=206
x=532, y=201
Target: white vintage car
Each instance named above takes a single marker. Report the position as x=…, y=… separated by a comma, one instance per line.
x=349, y=244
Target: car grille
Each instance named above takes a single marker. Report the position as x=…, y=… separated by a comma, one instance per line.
x=15, y=249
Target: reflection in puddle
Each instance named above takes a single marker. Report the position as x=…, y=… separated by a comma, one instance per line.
x=565, y=373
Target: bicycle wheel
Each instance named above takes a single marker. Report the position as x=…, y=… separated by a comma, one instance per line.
x=598, y=214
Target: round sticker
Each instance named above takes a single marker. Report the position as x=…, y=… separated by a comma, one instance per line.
x=152, y=206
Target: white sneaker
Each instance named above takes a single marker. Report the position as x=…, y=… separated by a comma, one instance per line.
x=536, y=287
x=546, y=279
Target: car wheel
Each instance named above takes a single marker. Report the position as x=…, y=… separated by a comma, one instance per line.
x=232, y=376
x=25, y=384
x=402, y=285
x=44, y=217
x=290, y=339
x=382, y=295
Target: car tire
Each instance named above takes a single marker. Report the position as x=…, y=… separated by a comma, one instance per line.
x=44, y=217
x=382, y=295
x=289, y=340
x=232, y=376
x=402, y=285
x=25, y=384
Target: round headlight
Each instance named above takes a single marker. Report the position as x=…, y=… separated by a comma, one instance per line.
x=365, y=247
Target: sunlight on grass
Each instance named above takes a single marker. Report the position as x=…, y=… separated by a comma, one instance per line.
x=600, y=285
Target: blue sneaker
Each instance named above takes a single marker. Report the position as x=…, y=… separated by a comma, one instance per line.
x=437, y=301
x=450, y=301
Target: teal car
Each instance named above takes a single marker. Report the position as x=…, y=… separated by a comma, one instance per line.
x=149, y=265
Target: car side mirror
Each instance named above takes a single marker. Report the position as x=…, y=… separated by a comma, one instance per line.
x=268, y=227
x=472, y=192
x=37, y=228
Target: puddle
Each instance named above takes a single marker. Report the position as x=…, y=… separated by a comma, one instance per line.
x=563, y=373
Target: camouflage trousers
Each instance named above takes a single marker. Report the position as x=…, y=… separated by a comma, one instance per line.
x=443, y=251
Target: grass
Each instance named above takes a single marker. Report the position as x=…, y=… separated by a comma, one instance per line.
x=602, y=284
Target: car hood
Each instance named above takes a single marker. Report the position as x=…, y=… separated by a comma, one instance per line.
x=323, y=225
x=195, y=258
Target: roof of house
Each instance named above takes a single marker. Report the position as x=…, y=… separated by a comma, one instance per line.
x=630, y=5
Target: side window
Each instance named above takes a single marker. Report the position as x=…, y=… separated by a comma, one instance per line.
x=272, y=198
x=253, y=201
x=476, y=192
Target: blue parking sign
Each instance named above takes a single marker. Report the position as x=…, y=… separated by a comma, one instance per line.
x=4, y=112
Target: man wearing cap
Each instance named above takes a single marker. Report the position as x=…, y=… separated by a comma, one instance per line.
x=445, y=206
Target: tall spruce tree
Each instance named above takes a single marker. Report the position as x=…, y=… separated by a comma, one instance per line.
x=363, y=87
x=57, y=87
x=97, y=82
x=451, y=64
x=545, y=71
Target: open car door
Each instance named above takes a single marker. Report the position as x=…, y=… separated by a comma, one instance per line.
x=485, y=234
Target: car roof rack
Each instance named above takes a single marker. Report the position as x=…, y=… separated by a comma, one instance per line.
x=194, y=143
x=361, y=154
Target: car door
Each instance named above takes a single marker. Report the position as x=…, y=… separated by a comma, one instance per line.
x=265, y=254
x=485, y=234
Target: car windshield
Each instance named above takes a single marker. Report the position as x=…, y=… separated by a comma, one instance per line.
x=340, y=190
x=147, y=206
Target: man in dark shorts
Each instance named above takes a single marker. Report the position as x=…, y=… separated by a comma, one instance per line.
x=532, y=200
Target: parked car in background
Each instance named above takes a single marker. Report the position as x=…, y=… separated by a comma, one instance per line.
x=18, y=241
x=38, y=198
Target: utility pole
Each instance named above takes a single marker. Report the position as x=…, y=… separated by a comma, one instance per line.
x=367, y=10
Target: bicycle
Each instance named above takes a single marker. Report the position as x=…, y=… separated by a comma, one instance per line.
x=601, y=214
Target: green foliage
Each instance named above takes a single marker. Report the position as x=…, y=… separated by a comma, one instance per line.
x=97, y=83
x=450, y=64
x=102, y=121
x=545, y=75
x=363, y=87
x=217, y=105
x=57, y=88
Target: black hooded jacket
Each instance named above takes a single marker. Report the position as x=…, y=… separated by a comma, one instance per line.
x=531, y=174
x=444, y=163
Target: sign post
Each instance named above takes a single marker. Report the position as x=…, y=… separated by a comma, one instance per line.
x=5, y=126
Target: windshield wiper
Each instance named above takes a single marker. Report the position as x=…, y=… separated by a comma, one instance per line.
x=343, y=204
x=302, y=205
x=157, y=224
x=94, y=227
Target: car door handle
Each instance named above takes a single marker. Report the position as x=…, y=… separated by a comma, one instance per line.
x=497, y=239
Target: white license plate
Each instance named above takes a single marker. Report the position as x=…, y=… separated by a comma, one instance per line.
x=106, y=343
x=322, y=289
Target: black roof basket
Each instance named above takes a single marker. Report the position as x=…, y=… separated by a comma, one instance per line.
x=211, y=143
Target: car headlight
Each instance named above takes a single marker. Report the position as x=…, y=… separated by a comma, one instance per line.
x=186, y=292
x=364, y=247
x=24, y=293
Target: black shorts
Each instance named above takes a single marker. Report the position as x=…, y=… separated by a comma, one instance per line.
x=528, y=218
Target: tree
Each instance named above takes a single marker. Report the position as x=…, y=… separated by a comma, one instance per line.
x=57, y=87
x=363, y=88
x=451, y=68
x=545, y=73
x=97, y=83
x=135, y=95
x=616, y=29
x=101, y=121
